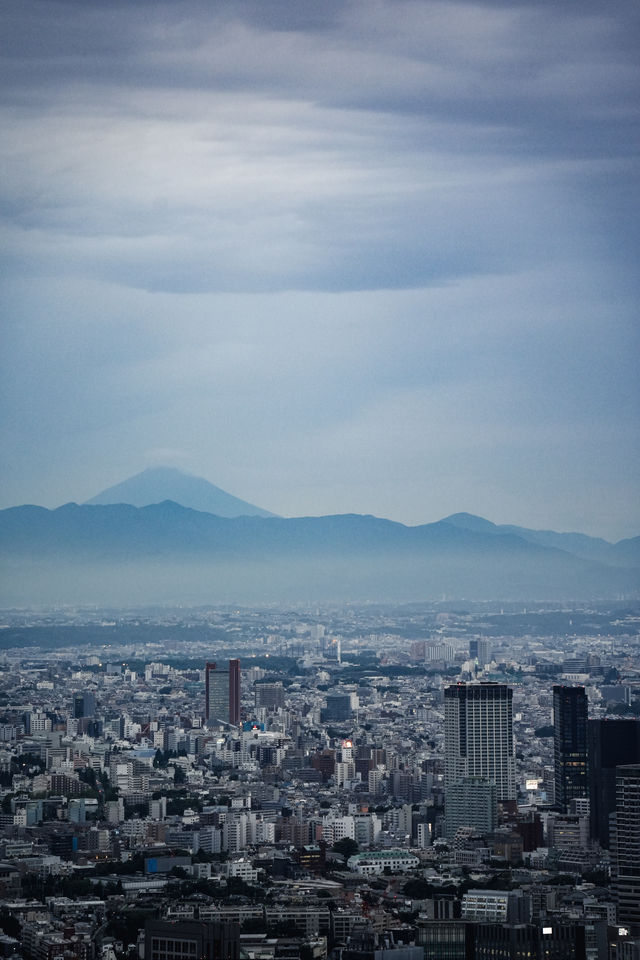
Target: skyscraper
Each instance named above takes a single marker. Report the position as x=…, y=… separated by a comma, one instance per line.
x=84, y=704
x=611, y=743
x=569, y=744
x=478, y=734
x=234, y=692
x=484, y=651
x=222, y=694
x=625, y=845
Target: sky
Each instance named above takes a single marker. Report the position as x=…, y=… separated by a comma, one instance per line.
x=370, y=256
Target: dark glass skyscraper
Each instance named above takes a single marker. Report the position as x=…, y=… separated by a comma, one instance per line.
x=611, y=743
x=625, y=845
x=84, y=705
x=222, y=694
x=570, y=744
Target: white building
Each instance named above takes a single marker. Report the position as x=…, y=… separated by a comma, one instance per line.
x=479, y=738
x=486, y=906
x=373, y=863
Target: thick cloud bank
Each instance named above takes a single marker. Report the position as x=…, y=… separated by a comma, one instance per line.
x=349, y=256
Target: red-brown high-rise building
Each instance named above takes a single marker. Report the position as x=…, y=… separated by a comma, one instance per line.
x=234, y=692
x=222, y=694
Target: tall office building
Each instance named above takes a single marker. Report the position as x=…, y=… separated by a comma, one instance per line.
x=485, y=651
x=222, y=694
x=625, y=845
x=569, y=744
x=84, y=705
x=611, y=743
x=478, y=732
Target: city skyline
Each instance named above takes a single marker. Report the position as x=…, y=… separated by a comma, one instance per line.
x=414, y=764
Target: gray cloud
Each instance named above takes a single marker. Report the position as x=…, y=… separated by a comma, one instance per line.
x=366, y=255
x=225, y=147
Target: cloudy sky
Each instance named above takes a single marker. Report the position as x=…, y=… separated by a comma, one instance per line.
x=375, y=256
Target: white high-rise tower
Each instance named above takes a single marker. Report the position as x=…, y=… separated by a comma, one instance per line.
x=478, y=736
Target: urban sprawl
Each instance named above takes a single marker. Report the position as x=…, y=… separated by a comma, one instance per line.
x=353, y=783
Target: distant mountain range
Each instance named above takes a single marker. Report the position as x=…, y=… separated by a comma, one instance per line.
x=118, y=553
x=167, y=483
x=579, y=544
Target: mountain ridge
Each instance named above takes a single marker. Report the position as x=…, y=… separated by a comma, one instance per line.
x=112, y=551
x=579, y=544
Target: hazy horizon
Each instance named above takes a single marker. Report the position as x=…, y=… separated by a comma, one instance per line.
x=170, y=495
x=354, y=257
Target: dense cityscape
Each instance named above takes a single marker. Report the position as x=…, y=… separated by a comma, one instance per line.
x=357, y=783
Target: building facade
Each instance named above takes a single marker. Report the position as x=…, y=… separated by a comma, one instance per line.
x=625, y=845
x=470, y=802
x=191, y=940
x=84, y=704
x=569, y=745
x=611, y=743
x=479, y=736
x=270, y=696
x=222, y=694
